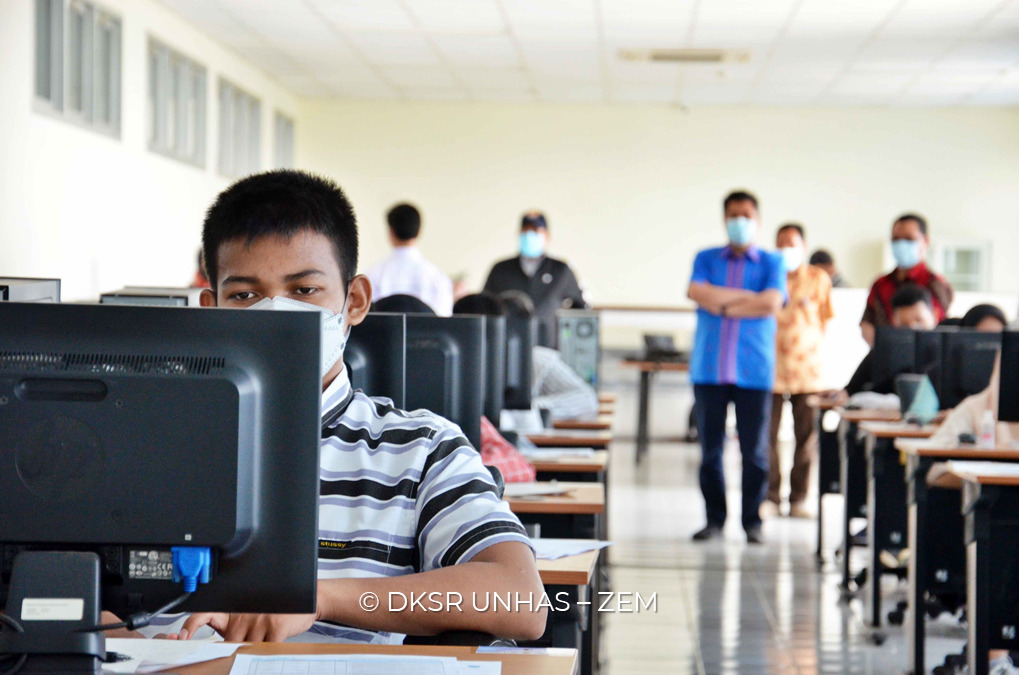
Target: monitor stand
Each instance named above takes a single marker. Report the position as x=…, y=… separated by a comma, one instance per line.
x=53, y=595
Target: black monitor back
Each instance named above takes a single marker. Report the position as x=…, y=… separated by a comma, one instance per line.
x=521, y=336
x=968, y=358
x=929, y=345
x=446, y=369
x=1008, y=392
x=128, y=430
x=376, y=357
x=894, y=354
x=495, y=367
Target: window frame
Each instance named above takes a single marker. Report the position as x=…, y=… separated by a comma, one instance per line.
x=178, y=104
x=240, y=131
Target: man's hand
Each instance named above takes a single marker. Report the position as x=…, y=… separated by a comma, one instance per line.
x=249, y=627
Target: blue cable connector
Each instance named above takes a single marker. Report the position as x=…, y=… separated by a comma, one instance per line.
x=191, y=564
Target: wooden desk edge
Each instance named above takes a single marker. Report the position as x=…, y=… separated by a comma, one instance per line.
x=551, y=575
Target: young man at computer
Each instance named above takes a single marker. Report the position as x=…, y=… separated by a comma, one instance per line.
x=406, y=505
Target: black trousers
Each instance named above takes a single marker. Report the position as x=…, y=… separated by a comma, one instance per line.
x=753, y=415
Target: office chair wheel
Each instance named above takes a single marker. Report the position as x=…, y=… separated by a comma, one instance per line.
x=943, y=670
x=935, y=608
x=896, y=617
x=877, y=638
x=954, y=661
x=861, y=579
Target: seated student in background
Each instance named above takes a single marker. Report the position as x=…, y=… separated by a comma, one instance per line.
x=968, y=417
x=909, y=247
x=405, y=493
x=823, y=259
x=986, y=318
x=554, y=385
x=912, y=307
x=405, y=270
x=495, y=449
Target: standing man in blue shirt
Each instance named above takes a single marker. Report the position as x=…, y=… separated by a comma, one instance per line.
x=738, y=289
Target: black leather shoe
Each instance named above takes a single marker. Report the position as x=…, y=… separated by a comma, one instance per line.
x=709, y=532
x=754, y=535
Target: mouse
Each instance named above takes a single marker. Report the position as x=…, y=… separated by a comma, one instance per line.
x=966, y=438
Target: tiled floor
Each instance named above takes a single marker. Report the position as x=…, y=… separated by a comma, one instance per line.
x=726, y=607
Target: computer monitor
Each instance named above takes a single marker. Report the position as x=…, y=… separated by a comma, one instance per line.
x=521, y=336
x=894, y=353
x=153, y=296
x=1008, y=388
x=130, y=430
x=446, y=369
x=967, y=364
x=929, y=344
x=495, y=367
x=22, y=289
x=376, y=356
x=579, y=342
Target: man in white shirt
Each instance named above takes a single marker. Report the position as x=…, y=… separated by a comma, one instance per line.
x=405, y=271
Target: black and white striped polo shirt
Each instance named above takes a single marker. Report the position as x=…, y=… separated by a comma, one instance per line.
x=401, y=492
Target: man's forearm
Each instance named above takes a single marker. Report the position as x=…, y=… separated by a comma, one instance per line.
x=451, y=598
x=711, y=298
x=755, y=305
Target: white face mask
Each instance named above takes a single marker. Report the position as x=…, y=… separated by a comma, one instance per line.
x=793, y=256
x=334, y=328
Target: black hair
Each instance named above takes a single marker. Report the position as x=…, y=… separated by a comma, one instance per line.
x=980, y=312
x=910, y=294
x=821, y=257
x=739, y=196
x=793, y=226
x=534, y=219
x=402, y=304
x=281, y=203
x=920, y=222
x=517, y=303
x=485, y=304
x=404, y=221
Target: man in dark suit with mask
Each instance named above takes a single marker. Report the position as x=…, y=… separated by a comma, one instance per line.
x=549, y=282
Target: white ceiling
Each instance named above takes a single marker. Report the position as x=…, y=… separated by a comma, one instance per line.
x=803, y=52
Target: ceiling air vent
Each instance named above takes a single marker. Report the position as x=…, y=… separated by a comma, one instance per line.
x=708, y=56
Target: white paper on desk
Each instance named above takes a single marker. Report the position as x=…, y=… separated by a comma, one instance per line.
x=553, y=549
x=479, y=667
x=149, y=656
x=344, y=664
x=1004, y=469
x=520, y=490
x=556, y=453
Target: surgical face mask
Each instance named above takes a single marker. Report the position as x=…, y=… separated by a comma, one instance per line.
x=334, y=329
x=906, y=253
x=741, y=230
x=793, y=256
x=532, y=244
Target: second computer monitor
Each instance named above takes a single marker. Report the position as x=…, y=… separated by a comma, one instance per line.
x=967, y=364
x=521, y=336
x=894, y=354
x=1008, y=392
x=376, y=357
x=21, y=289
x=446, y=369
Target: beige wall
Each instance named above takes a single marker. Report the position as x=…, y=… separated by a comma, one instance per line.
x=632, y=192
x=101, y=212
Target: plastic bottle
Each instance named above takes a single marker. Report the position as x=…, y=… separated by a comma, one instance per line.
x=987, y=430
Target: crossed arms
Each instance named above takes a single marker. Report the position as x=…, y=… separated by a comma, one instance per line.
x=736, y=303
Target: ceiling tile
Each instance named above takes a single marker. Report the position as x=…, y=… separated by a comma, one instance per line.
x=824, y=18
x=436, y=93
x=420, y=76
x=987, y=53
x=551, y=18
x=570, y=93
x=873, y=83
x=504, y=96
x=887, y=52
x=714, y=94
x=646, y=23
x=767, y=94
x=395, y=48
x=450, y=16
x=360, y=14
x=939, y=17
x=368, y=91
x=494, y=78
x=478, y=50
x=642, y=93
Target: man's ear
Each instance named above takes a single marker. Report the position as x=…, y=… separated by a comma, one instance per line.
x=207, y=298
x=359, y=299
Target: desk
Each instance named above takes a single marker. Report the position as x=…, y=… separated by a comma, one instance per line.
x=570, y=438
x=647, y=370
x=607, y=409
x=599, y=423
x=937, y=565
x=827, y=466
x=887, y=513
x=607, y=398
x=853, y=477
x=581, y=499
x=596, y=463
x=990, y=504
x=574, y=570
x=561, y=662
